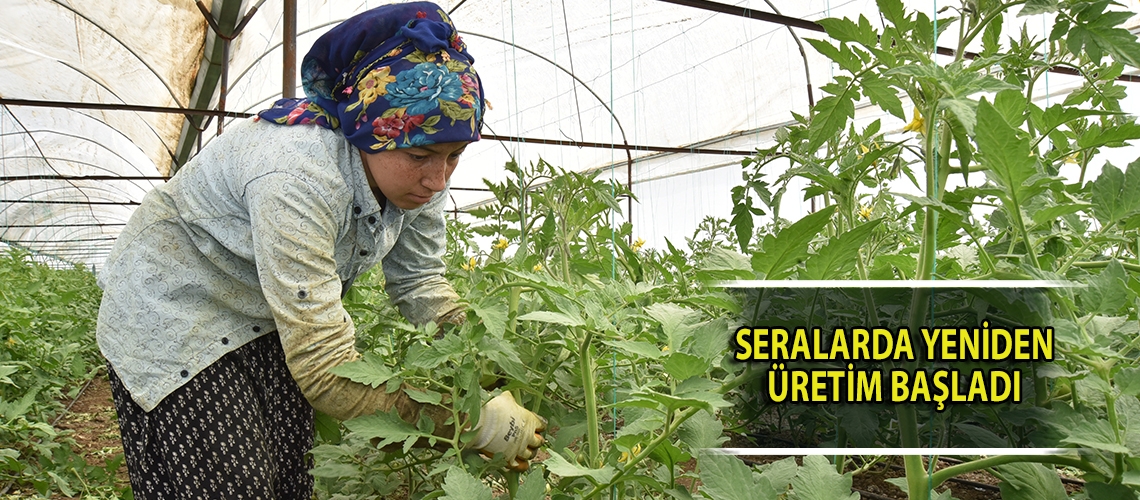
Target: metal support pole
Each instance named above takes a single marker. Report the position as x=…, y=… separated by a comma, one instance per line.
x=289, y=49
x=227, y=39
x=225, y=80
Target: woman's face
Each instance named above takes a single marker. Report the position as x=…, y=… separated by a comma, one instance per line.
x=410, y=177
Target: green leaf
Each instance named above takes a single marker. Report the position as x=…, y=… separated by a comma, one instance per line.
x=721, y=260
x=861, y=423
x=1097, y=33
x=782, y=252
x=675, y=320
x=681, y=366
x=438, y=352
x=980, y=436
x=533, y=487
x=557, y=318
x=334, y=470
x=780, y=473
x=369, y=371
x=845, y=30
x=845, y=58
x=1029, y=481
x=1111, y=136
x=883, y=95
x=962, y=108
x=991, y=38
x=1116, y=195
x=1103, y=491
x=1034, y=7
x=1127, y=380
x=1097, y=435
x=1049, y=215
x=1006, y=156
x=742, y=222
x=839, y=255
x=817, y=480
x=426, y=397
x=648, y=398
x=1107, y=291
x=725, y=477
x=1059, y=114
x=389, y=427
x=702, y=430
x=636, y=348
x=708, y=340
x=894, y=12
x=460, y=485
x=925, y=201
x=327, y=426
x=1011, y=104
x=556, y=464
x=830, y=116
x=669, y=454
x=494, y=316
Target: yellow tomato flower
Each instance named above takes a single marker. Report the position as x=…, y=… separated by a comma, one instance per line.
x=500, y=244
x=636, y=246
x=1072, y=159
x=537, y=268
x=470, y=265
x=665, y=349
x=917, y=124
x=625, y=456
x=865, y=212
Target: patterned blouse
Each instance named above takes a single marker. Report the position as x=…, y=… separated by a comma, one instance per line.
x=264, y=230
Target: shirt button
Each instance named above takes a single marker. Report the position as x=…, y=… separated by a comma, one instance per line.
x=356, y=210
x=371, y=219
x=363, y=253
x=225, y=341
x=256, y=329
x=185, y=374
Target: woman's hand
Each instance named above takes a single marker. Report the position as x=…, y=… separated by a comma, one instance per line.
x=505, y=427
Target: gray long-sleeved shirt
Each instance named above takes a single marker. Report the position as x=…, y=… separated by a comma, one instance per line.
x=263, y=231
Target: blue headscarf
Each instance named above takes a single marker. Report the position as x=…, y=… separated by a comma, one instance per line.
x=396, y=76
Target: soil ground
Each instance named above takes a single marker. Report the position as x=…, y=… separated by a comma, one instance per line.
x=95, y=430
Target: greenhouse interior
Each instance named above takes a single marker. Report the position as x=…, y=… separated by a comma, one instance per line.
x=644, y=167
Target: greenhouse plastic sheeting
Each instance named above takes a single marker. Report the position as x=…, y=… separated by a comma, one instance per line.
x=638, y=72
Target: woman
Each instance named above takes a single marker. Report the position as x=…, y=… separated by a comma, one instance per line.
x=222, y=313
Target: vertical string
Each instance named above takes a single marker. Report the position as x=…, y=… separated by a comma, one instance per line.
x=557, y=76
x=613, y=222
x=934, y=141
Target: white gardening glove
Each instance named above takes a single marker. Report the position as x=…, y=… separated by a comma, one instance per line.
x=505, y=427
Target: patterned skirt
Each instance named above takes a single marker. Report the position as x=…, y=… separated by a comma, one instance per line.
x=240, y=429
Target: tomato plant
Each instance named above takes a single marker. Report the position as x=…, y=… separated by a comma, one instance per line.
x=624, y=349
x=47, y=330
x=992, y=202
x=620, y=348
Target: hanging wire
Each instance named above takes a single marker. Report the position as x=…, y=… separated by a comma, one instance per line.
x=935, y=149
x=613, y=221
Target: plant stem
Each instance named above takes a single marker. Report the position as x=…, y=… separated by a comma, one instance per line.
x=513, y=310
x=916, y=477
x=586, y=366
x=668, y=431
x=1101, y=264
x=984, y=463
x=512, y=480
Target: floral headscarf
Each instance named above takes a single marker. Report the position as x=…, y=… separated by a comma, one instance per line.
x=396, y=76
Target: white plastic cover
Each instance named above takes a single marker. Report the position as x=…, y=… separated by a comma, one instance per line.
x=642, y=72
